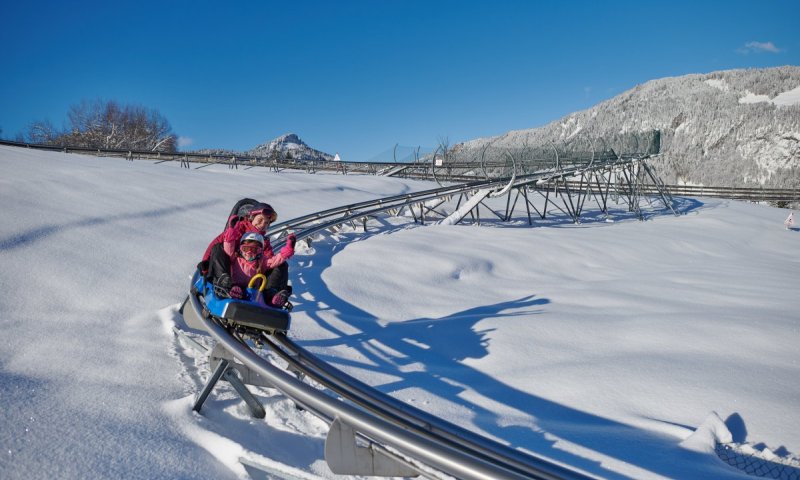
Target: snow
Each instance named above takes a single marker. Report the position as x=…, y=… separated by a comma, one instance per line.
x=751, y=97
x=573, y=124
x=624, y=348
x=772, y=153
x=719, y=84
x=784, y=99
x=792, y=97
x=712, y=431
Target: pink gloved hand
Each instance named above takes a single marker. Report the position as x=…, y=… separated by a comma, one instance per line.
x=280, y=299
x=237, y=292
x=287, y=251
x=234, y=233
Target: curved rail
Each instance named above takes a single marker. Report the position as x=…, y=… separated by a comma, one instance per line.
x=407, y=416
x=389, y=425
x=415, y=443
x=319, y=221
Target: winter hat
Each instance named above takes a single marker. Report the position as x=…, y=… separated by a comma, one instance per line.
x=253, y=236
x=265, y=209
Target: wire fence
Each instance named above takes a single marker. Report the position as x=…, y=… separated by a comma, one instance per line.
x=753, y=462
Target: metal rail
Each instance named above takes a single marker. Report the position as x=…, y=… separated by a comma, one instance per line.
x=409, y=417
x=550, y=180
x=414, y=443
x=359, y=411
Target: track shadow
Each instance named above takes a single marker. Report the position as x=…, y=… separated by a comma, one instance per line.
x=687, y=204
x=41, y=233
x=428, y=354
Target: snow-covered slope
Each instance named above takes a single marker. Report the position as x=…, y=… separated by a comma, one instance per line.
x=602, y=345
x=726, y=128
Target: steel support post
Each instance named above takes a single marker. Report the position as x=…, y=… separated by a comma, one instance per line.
x=513, y=206
x=223, y=365
x=608, y=187
x=546, y=201
x=571, y=207
x=458, y=203
x=527, y=204
x=508, y=205
x=256, y=409
x=665, y=195
x=582, y=195
x=492, y=210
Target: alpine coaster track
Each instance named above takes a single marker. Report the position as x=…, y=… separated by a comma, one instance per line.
x=371, y=433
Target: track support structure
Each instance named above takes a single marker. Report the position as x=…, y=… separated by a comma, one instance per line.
x=346, y=457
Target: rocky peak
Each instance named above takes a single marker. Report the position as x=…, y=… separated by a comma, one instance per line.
x=289, y=146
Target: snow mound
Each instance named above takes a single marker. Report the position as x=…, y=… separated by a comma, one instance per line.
x=785, y=99
x=711, y=432
x=714, y=436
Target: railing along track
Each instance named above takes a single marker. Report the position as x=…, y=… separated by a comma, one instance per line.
x=465, y=172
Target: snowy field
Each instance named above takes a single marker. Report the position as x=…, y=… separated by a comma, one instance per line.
x=604, y=345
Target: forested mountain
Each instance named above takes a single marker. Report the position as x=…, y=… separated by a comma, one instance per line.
x=726, y=128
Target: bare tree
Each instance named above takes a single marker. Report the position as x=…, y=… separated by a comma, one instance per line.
x=444, y=146
x=108, y=125
x=42, y=132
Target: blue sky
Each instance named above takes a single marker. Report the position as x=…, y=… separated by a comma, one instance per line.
x=357, y=77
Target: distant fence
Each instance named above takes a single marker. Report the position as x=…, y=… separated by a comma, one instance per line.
x=232, y=160
x=461, y=172
x=751, y=194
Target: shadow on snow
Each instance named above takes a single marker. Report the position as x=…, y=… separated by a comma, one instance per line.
x=441, y=344
x=42, y=233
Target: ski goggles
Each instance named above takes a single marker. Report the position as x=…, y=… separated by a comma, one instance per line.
x=250, y=249
x=270, y=214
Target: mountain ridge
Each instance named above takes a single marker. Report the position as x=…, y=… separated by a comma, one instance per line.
x=727, y=128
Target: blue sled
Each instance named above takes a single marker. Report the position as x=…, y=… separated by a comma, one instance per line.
x=241, y=313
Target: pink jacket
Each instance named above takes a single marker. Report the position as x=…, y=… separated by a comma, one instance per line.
x=231, y=235
x=243, y=270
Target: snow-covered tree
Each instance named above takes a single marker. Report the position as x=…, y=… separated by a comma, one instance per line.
x=109, y=125
x=729, y=128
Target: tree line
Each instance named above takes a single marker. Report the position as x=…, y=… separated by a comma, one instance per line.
x=108, y=125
